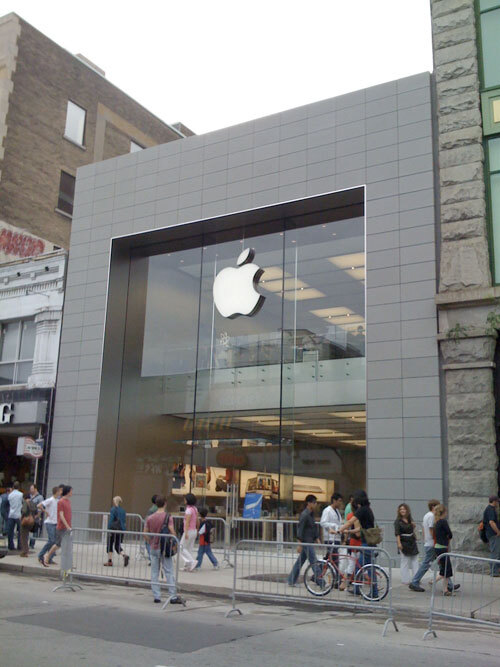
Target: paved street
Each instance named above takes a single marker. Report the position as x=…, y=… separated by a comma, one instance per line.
x=107, y=625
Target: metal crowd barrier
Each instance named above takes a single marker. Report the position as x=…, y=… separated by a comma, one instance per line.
x=477, y=600
x=262, y=570
x=89, y=557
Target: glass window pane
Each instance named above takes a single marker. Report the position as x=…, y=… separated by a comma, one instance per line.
x=66, y=193
x=23, y=371
x=488, y=4
x=495, y=221
x=8, y=343
x=490, y=31
x=27, y=339
x=75, y=123
x=135, y=147
x=6, y=374
x=494, y=154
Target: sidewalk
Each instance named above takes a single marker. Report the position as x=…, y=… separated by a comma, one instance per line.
x=220, y=582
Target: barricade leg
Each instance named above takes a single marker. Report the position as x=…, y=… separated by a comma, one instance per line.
x=235, y=609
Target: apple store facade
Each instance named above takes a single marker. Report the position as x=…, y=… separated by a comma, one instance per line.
x=251, y=311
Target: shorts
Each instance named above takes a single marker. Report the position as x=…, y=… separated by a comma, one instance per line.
x=59, y=535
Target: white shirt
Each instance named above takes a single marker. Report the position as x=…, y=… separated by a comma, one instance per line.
x=331, y=520
x=16, y=503
x=50, y=506
x=427, y=525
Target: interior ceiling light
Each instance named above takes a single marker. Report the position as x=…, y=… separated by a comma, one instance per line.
x=322, y=432
x=273, y=273
x=356, y=260
x=287, y=284
x=303, y=294
x=348, y=319
x=357, y=274
x=357, y=416
x=357, y=443
x=333, y=312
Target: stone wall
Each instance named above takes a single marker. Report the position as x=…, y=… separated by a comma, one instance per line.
x=464, y=282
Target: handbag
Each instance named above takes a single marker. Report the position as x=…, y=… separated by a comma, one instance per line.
x=372, y=536
x=28, y=521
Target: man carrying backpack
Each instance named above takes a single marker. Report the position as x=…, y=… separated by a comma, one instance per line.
x=492, y=530
x=161, y=549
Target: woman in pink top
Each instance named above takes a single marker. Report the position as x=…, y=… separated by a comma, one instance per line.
x=190, y=531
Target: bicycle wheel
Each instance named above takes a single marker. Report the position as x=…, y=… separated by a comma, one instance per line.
x=373, y=582
x=320, y=578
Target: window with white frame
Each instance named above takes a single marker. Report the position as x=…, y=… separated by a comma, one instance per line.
x=75, y=123
x=17, y=344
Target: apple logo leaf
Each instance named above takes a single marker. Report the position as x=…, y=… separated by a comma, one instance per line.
x=246, y=256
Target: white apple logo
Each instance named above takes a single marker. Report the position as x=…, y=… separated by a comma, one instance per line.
x=234, y=289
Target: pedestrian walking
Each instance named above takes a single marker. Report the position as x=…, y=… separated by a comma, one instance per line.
x=28, y=514
x=63, y=528
x=116, y=523
x=4, y=509
x=429, y=553
x=307, y=534
x=15, y=499
x=36, y=498
x=404, y=529
x=152, y=530
x=205, y=540
x=443, y=536
x=330, y=522
x=492, y=529
x=190, y=531
x=49, y=508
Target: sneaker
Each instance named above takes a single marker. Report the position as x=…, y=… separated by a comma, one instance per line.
x=417, y=589
x=157, y=600
x=191, y=567
x=176, y=600
x=454, y=588
x=216, y=567
x=448, y=593
x=125, y=560
x=108, y=564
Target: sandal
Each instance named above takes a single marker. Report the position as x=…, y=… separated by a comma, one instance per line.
x=108, y=564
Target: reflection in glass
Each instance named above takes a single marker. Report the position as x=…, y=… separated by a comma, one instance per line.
x=271, y=405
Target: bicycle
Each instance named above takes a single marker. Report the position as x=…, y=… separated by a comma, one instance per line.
x=371, y=579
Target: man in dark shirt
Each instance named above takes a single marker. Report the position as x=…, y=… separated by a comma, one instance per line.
x=492, y=527
x=307, y=533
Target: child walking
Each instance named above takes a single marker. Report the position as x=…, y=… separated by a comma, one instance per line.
x=204, y=535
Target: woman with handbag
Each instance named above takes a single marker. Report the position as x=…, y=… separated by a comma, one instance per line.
x=116, y=523
x=404, y=529
x=28, y=513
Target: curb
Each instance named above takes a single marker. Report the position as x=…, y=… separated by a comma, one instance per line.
x=203, y=589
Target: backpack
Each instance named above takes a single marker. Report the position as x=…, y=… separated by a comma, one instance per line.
x=482, y=532
x=168, y=545
x=372, y=536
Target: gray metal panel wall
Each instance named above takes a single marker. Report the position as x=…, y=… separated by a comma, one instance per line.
x=381, y=137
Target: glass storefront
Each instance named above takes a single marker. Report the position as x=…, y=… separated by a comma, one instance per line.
x=269, y=405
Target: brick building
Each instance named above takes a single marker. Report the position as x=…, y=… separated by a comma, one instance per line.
x=57, y=113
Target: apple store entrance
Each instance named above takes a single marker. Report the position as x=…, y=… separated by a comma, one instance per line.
x=243, y=369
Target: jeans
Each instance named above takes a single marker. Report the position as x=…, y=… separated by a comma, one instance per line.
x=494, y=545
x=366, y=558
x=11, y=525
x=429, y=556
x=205, y=549
x=307, y=553
x=36, y=533
x=51, y=540
x=168, y=571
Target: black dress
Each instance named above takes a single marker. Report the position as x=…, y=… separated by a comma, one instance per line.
x=406, y=532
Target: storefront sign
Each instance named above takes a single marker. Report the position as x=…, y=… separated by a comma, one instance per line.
x=26, y=412
x=16, y=244
x=29, y=448
x=234, y=289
